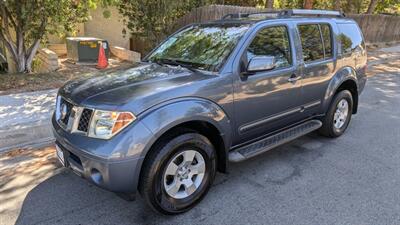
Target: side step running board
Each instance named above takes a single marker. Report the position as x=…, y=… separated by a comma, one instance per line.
x=273, y=141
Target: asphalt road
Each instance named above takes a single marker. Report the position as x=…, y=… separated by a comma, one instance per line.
x=354, y=179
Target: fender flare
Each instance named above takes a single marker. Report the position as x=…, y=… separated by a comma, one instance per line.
x=163, y=117
x=341, y=76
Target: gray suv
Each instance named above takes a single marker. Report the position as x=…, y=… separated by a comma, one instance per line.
x=210, y=94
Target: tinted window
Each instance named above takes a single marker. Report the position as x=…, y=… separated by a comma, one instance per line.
x=350, y=37
x=326, y=35
x=311, y=42
x=201, y=46
x=272, y=41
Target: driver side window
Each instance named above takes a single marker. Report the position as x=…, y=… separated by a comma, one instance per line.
x=272, y=41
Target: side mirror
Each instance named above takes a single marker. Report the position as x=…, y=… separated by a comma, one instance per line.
x=261, y=63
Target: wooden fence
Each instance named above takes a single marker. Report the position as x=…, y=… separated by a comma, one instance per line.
x=376, y=28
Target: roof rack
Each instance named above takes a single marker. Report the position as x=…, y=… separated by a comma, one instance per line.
x=274, y=13
x=311, y=12
x=287, y=13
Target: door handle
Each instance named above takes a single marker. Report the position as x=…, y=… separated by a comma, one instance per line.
x=293, y=78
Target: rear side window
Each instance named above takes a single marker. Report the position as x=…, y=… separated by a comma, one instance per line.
x=311, y=42
x=350, y=38
x=272, y=41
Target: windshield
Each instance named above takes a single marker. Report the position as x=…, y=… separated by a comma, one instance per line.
x=203, y=47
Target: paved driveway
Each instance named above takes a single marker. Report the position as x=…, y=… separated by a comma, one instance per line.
x=354, y=179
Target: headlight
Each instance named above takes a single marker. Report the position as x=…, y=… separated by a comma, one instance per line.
x=105, y=124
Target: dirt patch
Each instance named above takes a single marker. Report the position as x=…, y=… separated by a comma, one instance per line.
x=22, y=82
x=25, y=161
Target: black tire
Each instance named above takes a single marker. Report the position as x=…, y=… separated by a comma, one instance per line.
x=151, y=184
x=328, y=128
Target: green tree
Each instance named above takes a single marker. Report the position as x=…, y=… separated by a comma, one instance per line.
x=25, y=23
x=388, y=6
x=153, y=19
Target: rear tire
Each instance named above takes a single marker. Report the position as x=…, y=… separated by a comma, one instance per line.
x=178, y=172
x=338, y=117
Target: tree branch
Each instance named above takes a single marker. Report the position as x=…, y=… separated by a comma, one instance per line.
x=9, y=16
x=31, y=52
x=36, y=43
x=4, y=26
x=3, y=57
x=372, y=6
x=9, y=44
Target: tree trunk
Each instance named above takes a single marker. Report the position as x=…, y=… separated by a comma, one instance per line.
x=372, y=6
x=270, y=4
x=20, y=63
x=21, y=60
x=31, y=54
x=21, y=56
x=336, y=5
x=308, y=4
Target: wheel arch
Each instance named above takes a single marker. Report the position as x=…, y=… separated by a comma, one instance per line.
x=205, y=128
x=199, y=115
x=344, y=79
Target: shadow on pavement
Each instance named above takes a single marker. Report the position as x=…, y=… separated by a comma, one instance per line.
x=66, y=198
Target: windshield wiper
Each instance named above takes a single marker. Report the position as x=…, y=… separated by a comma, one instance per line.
x=174, y=62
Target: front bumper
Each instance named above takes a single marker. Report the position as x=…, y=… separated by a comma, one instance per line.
x=87, y=157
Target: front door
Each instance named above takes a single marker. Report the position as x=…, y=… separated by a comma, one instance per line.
x=268, y=100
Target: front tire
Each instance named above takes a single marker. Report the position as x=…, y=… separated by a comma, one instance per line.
x=338, y=117
x=178, y=172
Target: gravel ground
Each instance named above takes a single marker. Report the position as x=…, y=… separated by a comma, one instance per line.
x=354, y=179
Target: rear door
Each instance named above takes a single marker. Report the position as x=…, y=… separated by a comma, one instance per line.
x=318, y=64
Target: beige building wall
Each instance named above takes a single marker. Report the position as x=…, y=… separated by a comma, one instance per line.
x=109, y=29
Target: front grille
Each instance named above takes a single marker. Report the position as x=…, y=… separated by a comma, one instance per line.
x=85, y=120
x=64, y=119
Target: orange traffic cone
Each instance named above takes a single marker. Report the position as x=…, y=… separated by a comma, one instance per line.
x=102, y=61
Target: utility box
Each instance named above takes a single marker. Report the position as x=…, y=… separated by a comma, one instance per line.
x=86, y=49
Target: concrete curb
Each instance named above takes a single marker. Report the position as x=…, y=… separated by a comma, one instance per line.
x=28, y=135
x=25, y=120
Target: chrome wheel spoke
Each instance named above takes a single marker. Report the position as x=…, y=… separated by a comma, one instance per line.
x=173, y=188
x=188, y=156
x=171, y=169
x=190, y=187
x=199, y=168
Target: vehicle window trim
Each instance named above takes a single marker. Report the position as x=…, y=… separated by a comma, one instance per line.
x=323, y=40
x=292, y=56
x=325, y=59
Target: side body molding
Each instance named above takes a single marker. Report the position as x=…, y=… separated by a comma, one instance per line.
x=342, y=75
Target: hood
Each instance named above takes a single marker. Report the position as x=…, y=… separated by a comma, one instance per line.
x=118, y=88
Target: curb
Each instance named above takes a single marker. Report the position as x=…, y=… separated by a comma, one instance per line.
x=26, y=136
